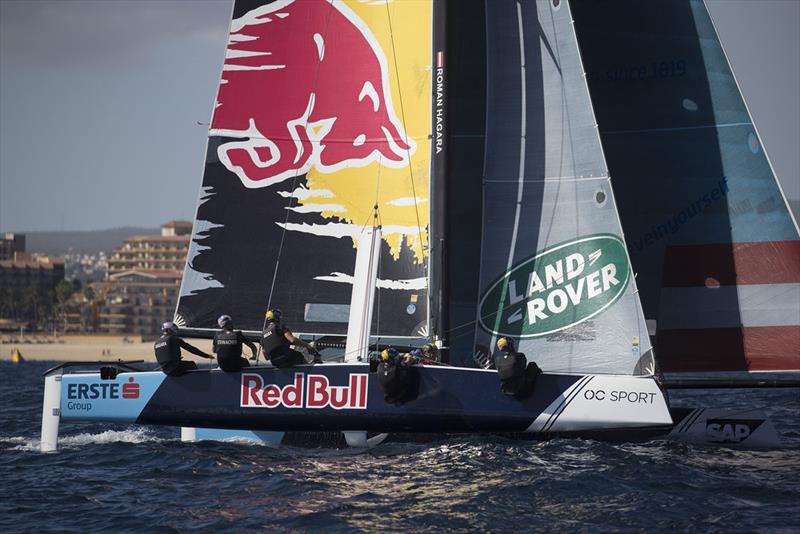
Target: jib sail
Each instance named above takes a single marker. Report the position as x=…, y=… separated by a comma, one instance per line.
x=323, y=112
x=713, y=243
x=555, y=273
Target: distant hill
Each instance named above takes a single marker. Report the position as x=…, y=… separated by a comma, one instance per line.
x=86, y=242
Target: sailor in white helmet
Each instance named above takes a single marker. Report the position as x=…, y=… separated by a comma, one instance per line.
x=168, y=351
x=228, y=345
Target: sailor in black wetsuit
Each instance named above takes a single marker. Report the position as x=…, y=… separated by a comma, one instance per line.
x=517, y=375
x=395, y=374
x=228, y=346
x=275, y=341
x=168, y=351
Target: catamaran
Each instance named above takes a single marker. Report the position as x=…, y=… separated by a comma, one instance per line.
x=402, y=173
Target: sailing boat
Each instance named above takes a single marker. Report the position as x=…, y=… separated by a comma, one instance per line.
x=385, y=180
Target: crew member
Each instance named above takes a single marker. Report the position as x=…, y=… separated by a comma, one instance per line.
x=431, y=352
x=276, y=340
x=395, y=374
x=517, y=375
x=228, y=346
x=168, y=351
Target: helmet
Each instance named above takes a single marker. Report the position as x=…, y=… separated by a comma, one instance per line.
x=225, y=320
x=389, y=354
x=417, y=353
x=505, y=344
x=429, y=349
x=273, y=315
x=169, y=327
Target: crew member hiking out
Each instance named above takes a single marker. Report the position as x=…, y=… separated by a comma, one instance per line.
x=517, y=375
x=168, y=351
x=228, y=345
x=275, y=341
x=395, y=374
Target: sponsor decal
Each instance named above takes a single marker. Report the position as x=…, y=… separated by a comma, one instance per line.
x=79, y=394
x=630, y=397
x=731, y=430
x=439, y=119
x=557, y=288
x=103, y=390
x=305, y=391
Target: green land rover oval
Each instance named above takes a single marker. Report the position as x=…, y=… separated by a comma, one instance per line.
x=558, y=287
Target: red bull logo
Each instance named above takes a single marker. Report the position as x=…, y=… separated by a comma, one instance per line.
x=305, y=391
x=305, y=84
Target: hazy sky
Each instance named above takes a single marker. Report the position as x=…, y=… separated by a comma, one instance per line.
x=100, y=100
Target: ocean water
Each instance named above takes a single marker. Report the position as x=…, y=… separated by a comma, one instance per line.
x=135, y=479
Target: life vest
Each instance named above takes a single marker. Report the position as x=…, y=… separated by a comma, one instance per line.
x=168, y=351
x=510, y=365
x=395, y=381
x=273, y=338
x=228, y=344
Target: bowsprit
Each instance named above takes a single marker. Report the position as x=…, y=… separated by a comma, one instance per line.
x=312, y=391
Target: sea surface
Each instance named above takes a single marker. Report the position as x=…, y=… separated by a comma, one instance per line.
x=142, y=479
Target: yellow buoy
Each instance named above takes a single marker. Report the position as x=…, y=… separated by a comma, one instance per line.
x=16, y=356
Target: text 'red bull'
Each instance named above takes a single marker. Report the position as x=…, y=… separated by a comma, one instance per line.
x=305, y=84
x=306, y=391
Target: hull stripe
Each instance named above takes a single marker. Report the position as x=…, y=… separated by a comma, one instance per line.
x=564, y=399
x=691, y=420
x=552, y=420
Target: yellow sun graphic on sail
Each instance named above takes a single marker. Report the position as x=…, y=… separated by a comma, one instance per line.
x=402, y=30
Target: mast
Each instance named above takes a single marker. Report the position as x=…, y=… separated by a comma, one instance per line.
x=439, y=281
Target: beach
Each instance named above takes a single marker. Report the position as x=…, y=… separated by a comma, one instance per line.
x=93, y=348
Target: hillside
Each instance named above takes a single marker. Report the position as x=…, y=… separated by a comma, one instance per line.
x=82, y=242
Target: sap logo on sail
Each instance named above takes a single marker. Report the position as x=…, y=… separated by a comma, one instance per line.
x=731, y=430
x=306, y=391
x=557, y=288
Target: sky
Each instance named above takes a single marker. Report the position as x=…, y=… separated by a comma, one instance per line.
x=104, y=105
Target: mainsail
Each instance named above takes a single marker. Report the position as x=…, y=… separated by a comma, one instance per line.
x=554, y=269
x=711, y=238
x=323, y=113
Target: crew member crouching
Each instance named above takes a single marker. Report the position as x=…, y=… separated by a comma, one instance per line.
x=395, y=375
x=517, y=375
x=276, y=341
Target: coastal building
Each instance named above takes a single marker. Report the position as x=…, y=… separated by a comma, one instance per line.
x=165, y=252
x=143, y=280
x=11, y=243
x=27, y=285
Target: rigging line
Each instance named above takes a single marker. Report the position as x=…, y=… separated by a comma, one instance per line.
x=423, y=246
x=296, y=174
x=376, y=222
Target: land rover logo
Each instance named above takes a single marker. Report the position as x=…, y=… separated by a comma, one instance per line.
x=559, y=287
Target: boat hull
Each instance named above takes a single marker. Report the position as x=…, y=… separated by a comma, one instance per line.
x=347, y=397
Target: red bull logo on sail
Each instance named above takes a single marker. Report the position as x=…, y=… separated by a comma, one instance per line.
x=305, y=84
x=305, y=391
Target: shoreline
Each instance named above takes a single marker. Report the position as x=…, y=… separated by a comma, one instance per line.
x=92, y=348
